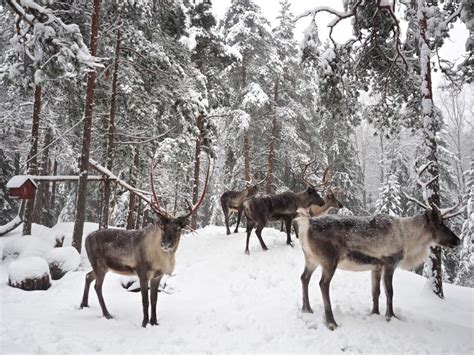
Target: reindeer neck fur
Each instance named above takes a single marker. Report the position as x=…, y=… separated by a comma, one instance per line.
x=302, y=199
x=317, y=211
x=417, y=238
x=160, y=259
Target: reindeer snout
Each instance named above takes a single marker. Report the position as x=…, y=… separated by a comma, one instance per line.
x=165, y=245
x=455, y=242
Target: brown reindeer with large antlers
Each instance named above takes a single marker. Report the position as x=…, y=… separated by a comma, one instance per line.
x=379, y=243
x=148, y=253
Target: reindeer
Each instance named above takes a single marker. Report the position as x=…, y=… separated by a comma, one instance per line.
x=380, y=243
x=330, y=201
x=148, y=253
x=260, y=210
x=232, y=201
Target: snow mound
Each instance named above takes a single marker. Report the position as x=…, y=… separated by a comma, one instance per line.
x=29, y=273
x=62, y=260
x=25, y=246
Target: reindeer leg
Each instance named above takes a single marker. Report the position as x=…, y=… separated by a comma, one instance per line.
x=258, y=231
x=239, y=216
x=98, y=289
x=305, y=278
x=376, y=276
x=388, y=283
x=226, y=218
x=327, y=274
x=288, y=231
x=90, y=276
x=154, y=283
x=144, y=290
x=295, y=228
x=250, y=225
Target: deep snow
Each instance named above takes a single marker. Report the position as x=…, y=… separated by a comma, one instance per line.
x=226, y=301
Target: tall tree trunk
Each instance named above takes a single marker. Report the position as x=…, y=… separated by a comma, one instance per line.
x=246, y=156
x=433, y=267
x=86, y=138
x=200, y=120
x=139, y=212
x=271, y=153
x=104, y=220
x=52, y=203
x=33, y=159
x=42, y=200
x=243, y=84
x=132, y=206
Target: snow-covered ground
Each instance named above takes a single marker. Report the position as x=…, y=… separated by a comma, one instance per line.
x=226, y=301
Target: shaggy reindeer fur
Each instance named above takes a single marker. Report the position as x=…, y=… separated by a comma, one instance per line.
x=380, y=243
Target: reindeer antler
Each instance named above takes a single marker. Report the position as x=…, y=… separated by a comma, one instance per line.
x=303, y=168
x=194, y=208
x=155, y=204
x=445, y=213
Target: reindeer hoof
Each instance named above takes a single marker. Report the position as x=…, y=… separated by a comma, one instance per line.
x=84, y=305
x=247, y=252
x=291, y=244
x=307, y=310
x=374, y=311
x=236, y=231
x=388, y=317
x=154, y=322
x=144, y=323
x=228, y=232
x=332, y=325
x=108, y=316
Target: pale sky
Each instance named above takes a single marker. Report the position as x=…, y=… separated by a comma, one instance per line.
x=453, y=49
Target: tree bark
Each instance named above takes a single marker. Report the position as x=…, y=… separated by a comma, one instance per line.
x=41, y=210
x=243, y=84
x=271, y=153
x=433, y=268
x=132, y=206
x=53, y=188
x=86, y=139
x=104, y=220
x=246, y=156
x=197, y=164
x=32, y=158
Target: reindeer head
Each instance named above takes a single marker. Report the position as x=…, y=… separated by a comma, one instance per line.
x=441, y=234
x=331, y=200
x=172, y=226
x=251, y=191
x=314, y=197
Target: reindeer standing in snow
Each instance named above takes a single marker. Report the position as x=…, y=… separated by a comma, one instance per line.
x=148, y=253
x=380, y=243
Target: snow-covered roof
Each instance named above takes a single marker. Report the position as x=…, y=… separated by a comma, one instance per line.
x=19, y=180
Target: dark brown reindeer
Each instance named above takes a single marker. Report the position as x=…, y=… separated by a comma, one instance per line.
x=233, y=201
x=380, y=243
x=148, y=253
x=260, y=210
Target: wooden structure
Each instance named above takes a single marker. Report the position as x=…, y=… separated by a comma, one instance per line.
x=22, y=187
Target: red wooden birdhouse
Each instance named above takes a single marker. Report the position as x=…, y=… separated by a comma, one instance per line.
x=22, y=187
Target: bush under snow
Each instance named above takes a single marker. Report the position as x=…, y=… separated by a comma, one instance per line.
x=29, y=273
x=62, y=260
x=26, y=246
